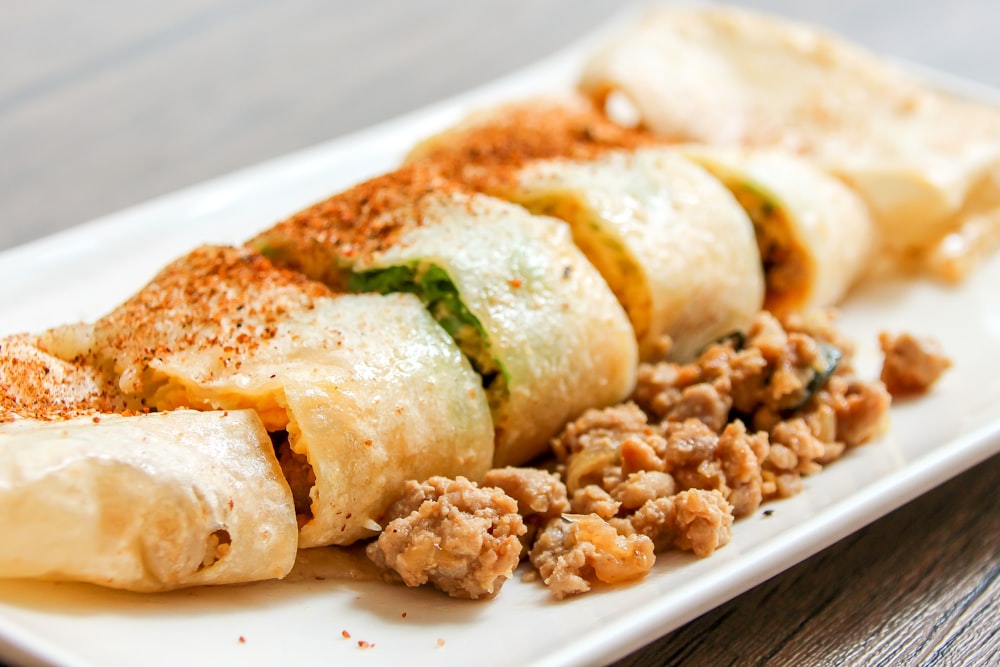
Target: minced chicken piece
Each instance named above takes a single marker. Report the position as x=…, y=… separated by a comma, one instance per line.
x=780, y=484
x=610, y=423
x=861, y=408
x=912, y=365
x=689, y=443
x=299, y=474
x=741, y=454
x=819, y=325
x=592, y=499
x=659, y=386
x=641, y=455
x=563, y=568
x=730, y=464
x=693, y=520
x=704, y=521
x=641, y=486
x=604, y=446
x=540, y=496
x=794, y=448
x=656, y=520
x=573, y=550
x=459, y=537
x=703, y=402
x=791, y=360
x=537, y=492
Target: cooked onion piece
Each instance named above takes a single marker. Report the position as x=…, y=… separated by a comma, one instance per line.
x=536, y=319
x=814, y=234
x=369, y=389
x=145, y=502
x=674, y=246
x=731, y=77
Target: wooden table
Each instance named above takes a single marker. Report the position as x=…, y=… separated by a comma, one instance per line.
x=108, y=103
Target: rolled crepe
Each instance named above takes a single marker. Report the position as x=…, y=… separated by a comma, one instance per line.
x=673, y=245
x=536, y=319
x=144, y=503
x=814, y=234
x=731, y=77
x=366, y=389
x=975, y=232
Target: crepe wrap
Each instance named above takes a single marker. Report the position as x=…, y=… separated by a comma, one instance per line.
x=144, y=503
x=367, y=389
x=815, y=234
x=559, y=340
x=737, y=78
x=673, y=245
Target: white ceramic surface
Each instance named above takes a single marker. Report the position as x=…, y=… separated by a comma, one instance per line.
x=83, y=272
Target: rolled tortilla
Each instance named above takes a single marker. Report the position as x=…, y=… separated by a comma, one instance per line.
x=814, y=234
x=731, y=77
x=144, y=503
x=368, y=391
x=974, y=235
x=536, y=319
x=673, y=245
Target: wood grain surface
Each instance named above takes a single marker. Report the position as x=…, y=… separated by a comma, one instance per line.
x=109, y=103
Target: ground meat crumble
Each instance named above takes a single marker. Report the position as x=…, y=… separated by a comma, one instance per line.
x=539, y=494
x=459, y=537
x=699, y=445
x=911, y=364
x=573, y=548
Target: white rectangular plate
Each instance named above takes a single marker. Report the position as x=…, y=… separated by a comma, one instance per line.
x=82, y=273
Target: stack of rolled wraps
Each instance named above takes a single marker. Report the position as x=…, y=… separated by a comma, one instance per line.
x=437, y=320
x=534, y=317
x=313, y=407
x=92, y=491
x=692, y=239
x=926, y=163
